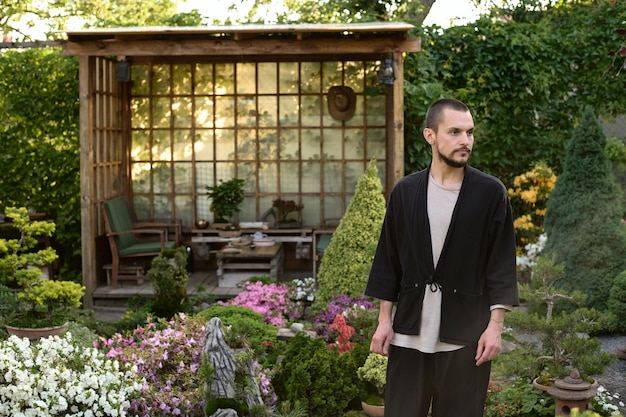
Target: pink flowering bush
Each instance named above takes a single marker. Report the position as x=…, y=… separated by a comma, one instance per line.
x=168, y=355
x=273, y=301
x=263, y=377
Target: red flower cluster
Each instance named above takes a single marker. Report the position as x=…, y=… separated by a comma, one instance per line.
x=345, y=331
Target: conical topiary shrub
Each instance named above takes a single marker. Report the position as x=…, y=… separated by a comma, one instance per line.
x=347, y=260
x=583, y=219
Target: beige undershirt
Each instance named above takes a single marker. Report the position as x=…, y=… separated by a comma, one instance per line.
x=441, y=202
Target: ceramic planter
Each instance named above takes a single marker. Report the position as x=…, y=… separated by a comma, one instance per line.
x=36, y=333
x=373, y=410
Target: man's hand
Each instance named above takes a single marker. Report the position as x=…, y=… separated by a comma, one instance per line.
x=382, y=339
x=384, y=332
x=490, y=342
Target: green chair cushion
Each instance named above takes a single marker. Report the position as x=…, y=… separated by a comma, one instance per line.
x=119, y=219
x=144, y=248
x=322, y=243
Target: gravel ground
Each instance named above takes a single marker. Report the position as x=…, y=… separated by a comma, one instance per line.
x=614, y=377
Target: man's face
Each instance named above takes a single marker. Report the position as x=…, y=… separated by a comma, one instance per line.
x=452, y=143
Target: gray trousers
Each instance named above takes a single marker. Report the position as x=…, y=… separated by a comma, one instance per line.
x=449, y=382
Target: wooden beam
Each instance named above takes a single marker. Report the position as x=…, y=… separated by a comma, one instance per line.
x=230, y=47
x=382, y=29
x=88, y=215
x=397, y=157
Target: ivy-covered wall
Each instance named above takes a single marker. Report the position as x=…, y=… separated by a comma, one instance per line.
x=39, y=144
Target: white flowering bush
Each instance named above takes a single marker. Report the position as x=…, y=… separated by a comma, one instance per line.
x=533, y=250
x=55, y=377
x=305, y=289
x=607, y=404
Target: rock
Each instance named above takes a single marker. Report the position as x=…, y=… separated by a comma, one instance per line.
x=507, y=346
x=222, y=359
x=621, y=352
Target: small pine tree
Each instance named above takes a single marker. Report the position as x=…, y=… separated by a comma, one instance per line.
x=347, y=260
x=582, y=222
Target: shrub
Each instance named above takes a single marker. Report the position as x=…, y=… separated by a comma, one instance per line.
x=583, y=219
x=617, y=303
x=243, y=327
x=347, y=260
x=529, y=197
x=168, y=355
x=39, y=141
x=168, y=276
x=518, y=400
x=56, y=377
x=324, y=381
x=273, y=301
x=355, y=309
x=605, y=403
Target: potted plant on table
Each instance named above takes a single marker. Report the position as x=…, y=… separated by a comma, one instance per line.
x=33, y=305
x=374, y=371
x=288, y=213
x=226, y=197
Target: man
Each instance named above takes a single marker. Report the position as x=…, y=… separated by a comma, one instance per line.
x=446, y=255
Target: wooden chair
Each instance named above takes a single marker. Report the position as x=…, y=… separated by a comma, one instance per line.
x=130, y=240
x=320, y=243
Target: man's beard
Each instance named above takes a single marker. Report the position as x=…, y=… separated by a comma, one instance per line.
x=451, y=162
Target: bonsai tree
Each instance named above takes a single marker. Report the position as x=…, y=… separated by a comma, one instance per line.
x=283, y=210
x=583, y=218
x=374, y=371
x=226, y=197
x=38, y=302
x=347, y=260
x=168, y=275
x=554, y=316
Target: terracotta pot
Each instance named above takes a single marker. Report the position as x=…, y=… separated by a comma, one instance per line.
x=36, y=333
x=373, y=410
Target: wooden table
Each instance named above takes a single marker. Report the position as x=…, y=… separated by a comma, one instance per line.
x=264, y=258
x=303, y=239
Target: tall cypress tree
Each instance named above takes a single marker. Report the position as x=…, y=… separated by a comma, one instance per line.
x=347, y=260
x=583, y=216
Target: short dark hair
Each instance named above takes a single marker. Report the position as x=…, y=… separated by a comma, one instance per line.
x=433, y=115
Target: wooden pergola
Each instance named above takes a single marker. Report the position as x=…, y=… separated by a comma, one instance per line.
x=119, y=72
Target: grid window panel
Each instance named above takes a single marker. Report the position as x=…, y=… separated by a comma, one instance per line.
x=194, y=124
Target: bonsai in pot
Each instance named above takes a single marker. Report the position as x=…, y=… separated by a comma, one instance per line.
x=29, y=299
x=374, y=371
x=168, y=275
x=288, y=213
x=226, y=197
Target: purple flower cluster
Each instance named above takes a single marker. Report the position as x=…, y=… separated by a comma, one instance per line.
x=343, y=305
x=273, y=301
x=169, y=359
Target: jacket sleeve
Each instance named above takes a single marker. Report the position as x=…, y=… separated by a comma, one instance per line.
x=386, y=272
x=501, y=268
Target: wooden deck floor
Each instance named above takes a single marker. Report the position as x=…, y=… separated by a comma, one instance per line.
x=110, y=304
x=199, y=281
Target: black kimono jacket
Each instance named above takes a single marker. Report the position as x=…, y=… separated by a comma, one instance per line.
x=476, y=268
